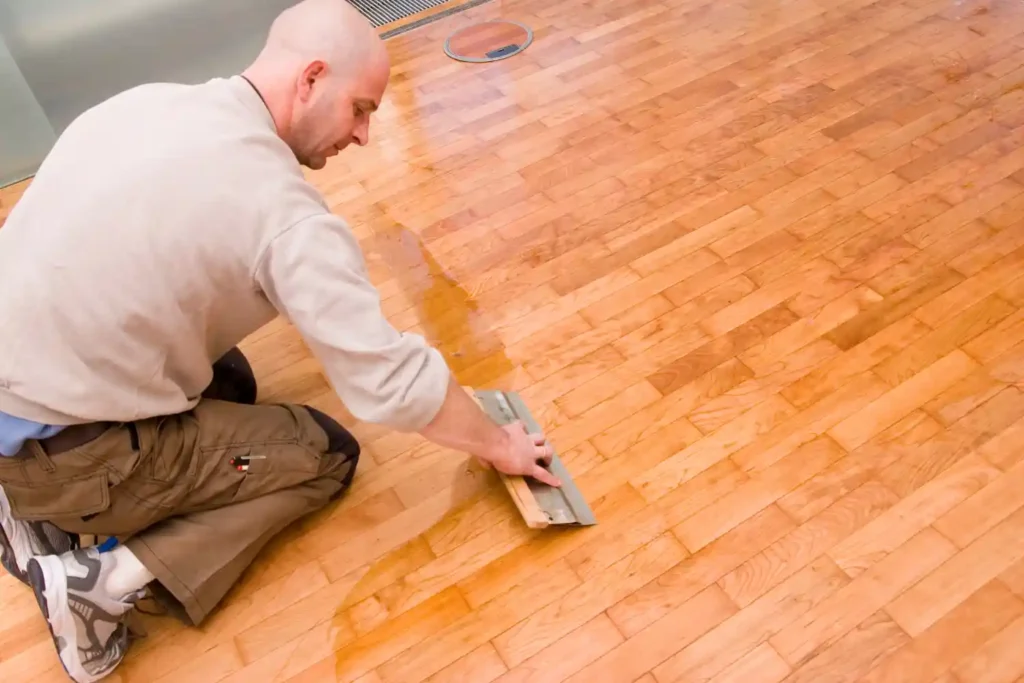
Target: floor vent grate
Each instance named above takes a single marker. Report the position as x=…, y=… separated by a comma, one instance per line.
x=384, y=12
x=381, y=12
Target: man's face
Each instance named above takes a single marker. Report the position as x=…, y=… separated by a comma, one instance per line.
x=331, y=112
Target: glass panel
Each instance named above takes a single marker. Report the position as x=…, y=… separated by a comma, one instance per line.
x=25, y=133
x=75, y=54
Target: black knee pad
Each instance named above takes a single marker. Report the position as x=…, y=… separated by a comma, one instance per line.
x=341, y=445
x=339, y=440
x=233, y=379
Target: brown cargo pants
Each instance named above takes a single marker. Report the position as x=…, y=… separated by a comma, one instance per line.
x=194, y=496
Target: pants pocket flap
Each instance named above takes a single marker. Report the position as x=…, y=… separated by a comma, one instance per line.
x=69, y=498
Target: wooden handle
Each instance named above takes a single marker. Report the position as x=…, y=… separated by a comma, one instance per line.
x=520, y=492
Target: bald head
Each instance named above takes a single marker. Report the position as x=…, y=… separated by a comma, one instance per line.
x=321, y=29
x=322, y=72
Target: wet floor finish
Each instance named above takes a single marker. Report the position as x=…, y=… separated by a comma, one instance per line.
x=758, y=268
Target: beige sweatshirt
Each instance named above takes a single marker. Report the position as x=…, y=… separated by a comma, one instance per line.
x=167, y=224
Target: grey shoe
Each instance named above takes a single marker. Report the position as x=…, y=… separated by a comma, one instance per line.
x=20, y=541
x=89, y=626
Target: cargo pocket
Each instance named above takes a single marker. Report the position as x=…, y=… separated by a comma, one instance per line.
x=272, y=467
x=74, y=498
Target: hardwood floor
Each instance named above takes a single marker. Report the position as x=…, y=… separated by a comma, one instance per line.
x=758, y=267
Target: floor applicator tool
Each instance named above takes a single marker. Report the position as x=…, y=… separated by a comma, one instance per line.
x=540, y=504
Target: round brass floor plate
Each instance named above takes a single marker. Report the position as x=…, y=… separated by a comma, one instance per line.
x=488, y=41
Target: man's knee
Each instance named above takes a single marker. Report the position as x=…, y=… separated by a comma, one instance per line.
x=339, y=439
x=233, y=379
x=343, y=450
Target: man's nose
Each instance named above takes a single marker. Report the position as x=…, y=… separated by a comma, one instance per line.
x=361, y=134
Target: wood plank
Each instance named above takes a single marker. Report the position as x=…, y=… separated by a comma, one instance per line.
x=758, y=270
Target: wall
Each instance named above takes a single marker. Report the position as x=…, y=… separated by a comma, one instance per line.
x=60, y=57
x=25, y=132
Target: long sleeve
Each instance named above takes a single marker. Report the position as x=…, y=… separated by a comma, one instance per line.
x=314, y=273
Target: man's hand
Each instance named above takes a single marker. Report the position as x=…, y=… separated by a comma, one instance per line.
x=522, y=454
x=461, y=423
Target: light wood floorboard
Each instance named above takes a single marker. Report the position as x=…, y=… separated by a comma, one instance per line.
x=758, y=267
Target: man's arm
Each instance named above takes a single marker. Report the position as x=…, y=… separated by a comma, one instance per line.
x=315, y=275
x=462, y=424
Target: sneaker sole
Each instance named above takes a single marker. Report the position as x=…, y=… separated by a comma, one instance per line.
x=7, y=558
x=51, y=594
x=8, y=551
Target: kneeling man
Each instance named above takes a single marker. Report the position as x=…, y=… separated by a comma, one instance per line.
x=166, y=225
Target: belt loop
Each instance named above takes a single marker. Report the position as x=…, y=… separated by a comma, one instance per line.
x=41, y=455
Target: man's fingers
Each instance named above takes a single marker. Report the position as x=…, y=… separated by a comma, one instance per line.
x=541, y=474
x=544, y=449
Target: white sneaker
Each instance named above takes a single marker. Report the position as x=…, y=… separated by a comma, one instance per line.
x=20, y=541
x=88, y=625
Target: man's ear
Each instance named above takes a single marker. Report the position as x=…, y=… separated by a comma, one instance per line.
x=313, y=72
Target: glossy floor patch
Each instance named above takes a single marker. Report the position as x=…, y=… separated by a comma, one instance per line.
x=757, y=267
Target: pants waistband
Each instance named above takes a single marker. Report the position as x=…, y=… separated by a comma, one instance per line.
x=72, y=437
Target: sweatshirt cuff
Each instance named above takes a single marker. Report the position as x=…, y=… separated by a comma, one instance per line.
x=429, y=392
